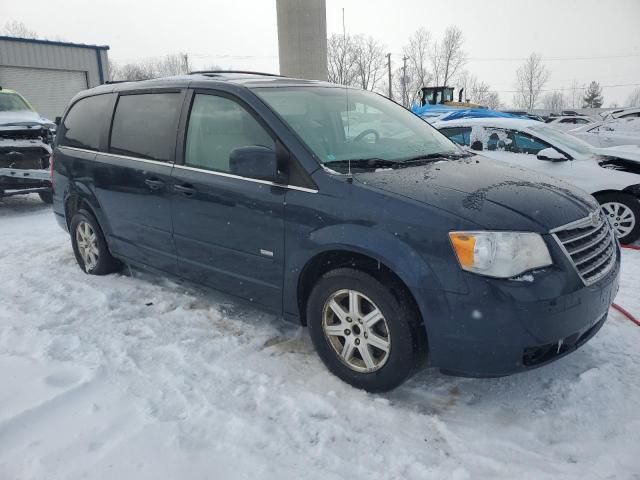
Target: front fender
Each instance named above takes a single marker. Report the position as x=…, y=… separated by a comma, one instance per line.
x=379, y=245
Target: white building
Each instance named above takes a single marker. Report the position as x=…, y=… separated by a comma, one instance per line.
x=49, y=73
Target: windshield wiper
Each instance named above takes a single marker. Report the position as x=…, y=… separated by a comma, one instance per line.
x=432, y=157
x=363, y=163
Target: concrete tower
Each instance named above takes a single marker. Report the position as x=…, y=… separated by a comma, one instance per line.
x=302, y=38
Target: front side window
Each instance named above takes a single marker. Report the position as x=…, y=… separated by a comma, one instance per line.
x=340, y=126
x=145, y=125
x=217, y=126
x=85, y=122
x=561, y=139
x=524, y=143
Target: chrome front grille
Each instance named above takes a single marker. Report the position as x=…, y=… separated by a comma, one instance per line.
x=590, y=244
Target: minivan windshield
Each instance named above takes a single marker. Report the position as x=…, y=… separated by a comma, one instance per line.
x=562, y=139
x=341, y=125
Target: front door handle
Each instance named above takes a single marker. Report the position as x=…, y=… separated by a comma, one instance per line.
x=186, y=189
x=154, y=184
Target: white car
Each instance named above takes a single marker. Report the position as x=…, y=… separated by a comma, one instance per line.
x=623, y=113
x=621, y=131
x=569, y=122
x=610, y=175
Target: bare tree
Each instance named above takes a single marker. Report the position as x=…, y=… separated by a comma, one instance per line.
x=172, y=64
x=531, y=78
x=448, y=57
x=369, y=61
x=633, y=100
x=493, y=100
x=574, y=99
x=417, y=74
x=341, y=59
x=477, y=91
x=554, y=101
x=18, y=29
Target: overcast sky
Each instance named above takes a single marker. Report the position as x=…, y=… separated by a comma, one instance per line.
x=580, y=39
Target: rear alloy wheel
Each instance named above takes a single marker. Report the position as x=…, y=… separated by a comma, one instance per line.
x=367, y=333
x=89, y=245
x=623, y=213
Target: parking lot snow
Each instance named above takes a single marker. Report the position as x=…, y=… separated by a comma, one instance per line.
x=132, y=376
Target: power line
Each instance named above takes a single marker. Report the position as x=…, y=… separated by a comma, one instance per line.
x=550, y=59
x=571, y=88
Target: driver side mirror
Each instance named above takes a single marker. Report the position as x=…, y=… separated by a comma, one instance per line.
x=551, y=155
x=254, y=161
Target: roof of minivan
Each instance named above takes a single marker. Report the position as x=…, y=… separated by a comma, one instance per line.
x=205, y=79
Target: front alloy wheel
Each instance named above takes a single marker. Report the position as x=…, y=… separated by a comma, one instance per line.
x=620, y=217
x=357, y=330
x=366, y=330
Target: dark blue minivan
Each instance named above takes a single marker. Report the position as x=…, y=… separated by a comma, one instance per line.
x=339, y=209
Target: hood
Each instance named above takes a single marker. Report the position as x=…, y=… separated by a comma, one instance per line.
x=23, y=118
x=493, y=195
x=626, y=152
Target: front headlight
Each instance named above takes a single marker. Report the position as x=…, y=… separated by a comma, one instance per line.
x=500, y=254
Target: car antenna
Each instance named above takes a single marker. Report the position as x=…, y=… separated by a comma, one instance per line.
x=346, y=92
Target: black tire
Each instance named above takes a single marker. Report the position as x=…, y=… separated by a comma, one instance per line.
x=46, y=197
x=105, y=262
x=407, y=337
x=629, y=201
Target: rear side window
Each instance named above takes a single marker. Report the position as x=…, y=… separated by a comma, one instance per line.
x=84, y=124
x=145, y=125
x=218, y=125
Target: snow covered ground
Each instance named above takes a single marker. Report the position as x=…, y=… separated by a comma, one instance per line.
x=138, y=377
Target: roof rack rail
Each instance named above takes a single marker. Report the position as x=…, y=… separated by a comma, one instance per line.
x=207, y=72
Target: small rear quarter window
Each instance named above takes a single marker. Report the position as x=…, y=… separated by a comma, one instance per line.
x=85, y=122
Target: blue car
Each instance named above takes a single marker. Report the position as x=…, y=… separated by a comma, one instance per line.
x=338, y=209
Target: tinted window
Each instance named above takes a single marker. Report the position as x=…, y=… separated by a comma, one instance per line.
x=145, y=125
x=85, y=122
x=459, y=135
x=217, y=126
x=581, y=121
x=524, y=143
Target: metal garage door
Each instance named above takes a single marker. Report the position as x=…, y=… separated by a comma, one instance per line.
x=48, y=91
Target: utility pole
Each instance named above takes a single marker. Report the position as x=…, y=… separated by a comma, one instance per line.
x=389, y=67
x=186, y=63
x=405, y=99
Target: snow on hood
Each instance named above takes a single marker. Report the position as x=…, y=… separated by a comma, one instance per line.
x=23, y=117
x=626, y=152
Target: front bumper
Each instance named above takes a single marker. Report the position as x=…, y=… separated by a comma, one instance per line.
x=15, y=181
x=503, y=326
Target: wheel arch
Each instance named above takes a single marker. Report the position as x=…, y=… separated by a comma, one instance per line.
x=80, y=197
